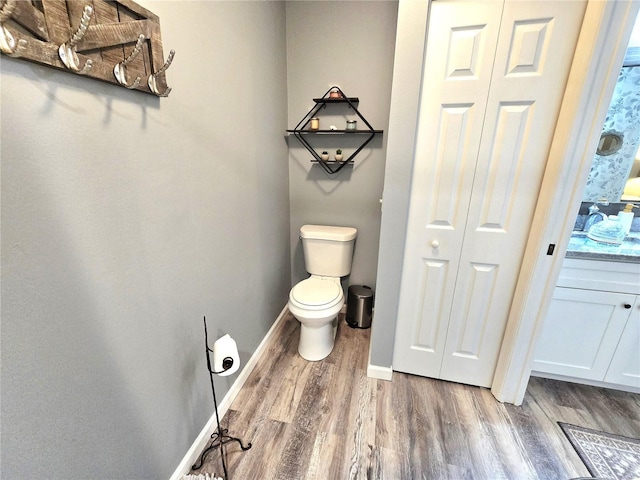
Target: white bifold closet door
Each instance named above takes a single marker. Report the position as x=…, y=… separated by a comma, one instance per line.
x=493, y=80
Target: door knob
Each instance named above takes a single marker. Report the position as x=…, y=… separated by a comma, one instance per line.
x=435, y=244
x=627, y=306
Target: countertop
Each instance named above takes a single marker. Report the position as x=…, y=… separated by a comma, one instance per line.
x=582, y=247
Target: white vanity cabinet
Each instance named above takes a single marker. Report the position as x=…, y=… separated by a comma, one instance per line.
x=625, y=364
x=592, y=330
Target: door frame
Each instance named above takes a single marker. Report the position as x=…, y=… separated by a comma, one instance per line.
x=592, y=78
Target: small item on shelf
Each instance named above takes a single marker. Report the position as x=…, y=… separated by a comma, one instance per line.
x=338, y=155
x=351, y=124
x=325, y=155
x=315, y=123
x=334, y=94
x=333, y=127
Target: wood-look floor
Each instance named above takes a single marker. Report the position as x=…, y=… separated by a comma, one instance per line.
x=327, y=420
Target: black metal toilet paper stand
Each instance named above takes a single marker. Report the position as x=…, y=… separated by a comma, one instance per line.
x=219, y=437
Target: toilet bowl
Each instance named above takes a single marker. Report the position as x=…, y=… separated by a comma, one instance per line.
x=316, y=301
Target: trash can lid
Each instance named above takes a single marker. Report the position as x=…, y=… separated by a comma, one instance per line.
x=360, y=291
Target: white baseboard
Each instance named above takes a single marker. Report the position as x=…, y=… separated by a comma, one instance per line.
x=205, y=435
x=376, y=371
x=381, y=373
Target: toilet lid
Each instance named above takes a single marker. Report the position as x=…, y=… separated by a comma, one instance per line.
x=316, y=292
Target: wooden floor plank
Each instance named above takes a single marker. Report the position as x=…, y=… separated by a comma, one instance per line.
x=250, y=463
x=294, y=461
x=295, y=379
x=327, y=420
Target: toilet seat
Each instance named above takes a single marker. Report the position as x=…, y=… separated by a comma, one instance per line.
x=316, y=294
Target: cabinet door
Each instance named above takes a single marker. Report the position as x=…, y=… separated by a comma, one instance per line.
x=581, y=332
x=625, y=364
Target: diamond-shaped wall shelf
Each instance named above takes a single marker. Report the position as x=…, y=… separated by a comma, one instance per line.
x=306, y=127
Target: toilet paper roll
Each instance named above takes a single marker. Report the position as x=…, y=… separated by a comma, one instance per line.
x=224, y=348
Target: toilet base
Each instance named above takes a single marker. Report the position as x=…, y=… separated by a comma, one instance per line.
x=316, y=342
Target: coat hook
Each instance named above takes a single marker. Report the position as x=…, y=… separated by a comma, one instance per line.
x=67, y=51
x=8, y=44
x=120, y=70
x=152, y=78
x=7, y=10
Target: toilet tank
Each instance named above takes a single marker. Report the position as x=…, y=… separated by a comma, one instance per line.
x=328, y=250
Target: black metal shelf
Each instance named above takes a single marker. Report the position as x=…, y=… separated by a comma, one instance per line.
x=334, y=132
x=333, y=162
x=337, y=100
x=301, y=130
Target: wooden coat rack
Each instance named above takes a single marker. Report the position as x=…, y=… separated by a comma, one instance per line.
x=115, y=41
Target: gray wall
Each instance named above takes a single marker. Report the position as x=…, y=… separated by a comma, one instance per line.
x=349, y=44
x=125, y=219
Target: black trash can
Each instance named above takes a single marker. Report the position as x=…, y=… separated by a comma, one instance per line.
x=359, y=306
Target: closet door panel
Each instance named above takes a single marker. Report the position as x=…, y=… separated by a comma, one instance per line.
x=533, y=57
x=494, y=78
x=458, y=62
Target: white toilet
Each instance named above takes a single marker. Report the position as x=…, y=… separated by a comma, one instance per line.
x=316, y=301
